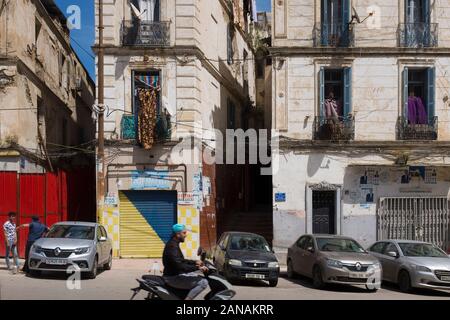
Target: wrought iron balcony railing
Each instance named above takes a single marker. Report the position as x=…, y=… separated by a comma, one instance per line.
x=418, y=35
x=407, y=131
x=333, y=35
x=146, y=33
x=163, y=129
x=331, y=129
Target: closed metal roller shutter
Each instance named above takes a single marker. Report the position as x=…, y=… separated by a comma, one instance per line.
x=146, y=220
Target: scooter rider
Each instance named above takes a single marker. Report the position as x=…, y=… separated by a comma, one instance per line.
x=179, y=269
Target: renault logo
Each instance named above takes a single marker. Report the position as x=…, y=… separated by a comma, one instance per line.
x=57, y=251
x=358, y=266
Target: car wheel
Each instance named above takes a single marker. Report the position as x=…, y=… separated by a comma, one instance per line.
x=290, y=270
x=317, y=278
x=404, y=281
x=93, y=273
x=108, y=265
x=273, y=283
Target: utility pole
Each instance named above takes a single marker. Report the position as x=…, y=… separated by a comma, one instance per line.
x=101, y=116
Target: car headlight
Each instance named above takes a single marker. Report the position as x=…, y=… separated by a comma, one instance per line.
x=334, y=263
x=234, y=262
x=81, y=250
x=37, y=249
x=421, y=268
x=376, y=265
x=274, y=265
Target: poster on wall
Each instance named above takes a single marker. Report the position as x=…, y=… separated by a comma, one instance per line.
x=419, y=174
x=370, y=177
x=142, y=180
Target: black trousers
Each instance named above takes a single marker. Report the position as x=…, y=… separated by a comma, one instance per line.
x=27, y=254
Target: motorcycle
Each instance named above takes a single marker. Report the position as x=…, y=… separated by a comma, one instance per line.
x=163, y=288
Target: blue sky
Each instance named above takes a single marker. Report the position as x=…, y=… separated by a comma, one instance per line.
x=83, y=39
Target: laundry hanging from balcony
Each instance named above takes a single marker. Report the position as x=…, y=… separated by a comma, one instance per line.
x=416, y=111
x=145, y=10
x=148, y=110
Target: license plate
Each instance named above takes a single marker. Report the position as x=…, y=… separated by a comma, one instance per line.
x=445, y=278
x=58, y=262
x=254, y=276
x=357, y=275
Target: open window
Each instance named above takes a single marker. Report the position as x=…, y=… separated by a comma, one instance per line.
x=335, y=121
x=418, y=120
x=335, y=18
x=149, y=122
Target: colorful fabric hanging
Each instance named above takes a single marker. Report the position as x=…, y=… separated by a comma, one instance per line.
x=147, y=117
x=149, y=81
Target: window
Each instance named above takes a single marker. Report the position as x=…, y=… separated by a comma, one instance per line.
x=335, y=93
x=301, y=242
x=309, y=243
x=378, y=247
x=335, y=19
x=231, y=115
x=419, y=95
x=146, y=10
x=418, y=32
x=103, y=231
x=230, y=39
x=260, y=68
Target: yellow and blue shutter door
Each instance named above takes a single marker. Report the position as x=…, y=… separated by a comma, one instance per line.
x=146, y=220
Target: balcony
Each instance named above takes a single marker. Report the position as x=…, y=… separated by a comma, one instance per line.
x=146, y=33
x=418, y=35
x=329, y=129
x=407, y=131
x=333, y=35
x=163, y=129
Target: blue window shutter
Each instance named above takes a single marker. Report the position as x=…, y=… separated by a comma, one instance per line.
x=347, y=91
x=322, y=92
x=426, y=11
x=431, y=93
x=345, y=20
x=325, y=23
x=405, y=92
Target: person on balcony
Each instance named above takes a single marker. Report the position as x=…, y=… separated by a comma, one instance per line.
x=417, y=113
x=332, y=107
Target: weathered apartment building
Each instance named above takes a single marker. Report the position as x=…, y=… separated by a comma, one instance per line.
x=361, y=105
x=175, y=71
x=46, y=99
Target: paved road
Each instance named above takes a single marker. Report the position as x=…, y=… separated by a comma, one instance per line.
x=116, y=284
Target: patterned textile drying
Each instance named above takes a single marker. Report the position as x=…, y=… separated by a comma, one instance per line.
x=147, y=117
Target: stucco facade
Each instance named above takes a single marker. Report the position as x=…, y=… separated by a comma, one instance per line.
x=199, y=80
x=372, y=75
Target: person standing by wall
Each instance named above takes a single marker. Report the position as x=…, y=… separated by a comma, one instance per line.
x=36, y=231
x=10, y=231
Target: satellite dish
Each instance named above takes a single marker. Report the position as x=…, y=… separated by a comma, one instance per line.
x=355, y=15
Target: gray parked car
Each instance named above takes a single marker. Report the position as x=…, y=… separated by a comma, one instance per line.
x=333, y=259
x=83, y=244
x=413, y=264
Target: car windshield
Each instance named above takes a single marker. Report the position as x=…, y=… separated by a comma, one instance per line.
x=250, y=243
x=71, y=232
x=421, y=250
x=339, y=245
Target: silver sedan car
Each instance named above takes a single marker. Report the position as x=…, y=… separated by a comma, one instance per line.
x=77, y=246
x=413, y=264
x=333, y=259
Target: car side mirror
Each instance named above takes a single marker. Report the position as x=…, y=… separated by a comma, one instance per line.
x=311, y=249
x=102, y=239
x=392, y=254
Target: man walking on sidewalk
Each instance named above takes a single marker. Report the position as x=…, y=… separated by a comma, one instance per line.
x=10, y=231
x=36, y=231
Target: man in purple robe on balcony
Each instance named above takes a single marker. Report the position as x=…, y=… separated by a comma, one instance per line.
x=416, y=110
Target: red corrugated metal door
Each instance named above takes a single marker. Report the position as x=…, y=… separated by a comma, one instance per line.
x=8, y=201
x=31, y=202
x=52, y=196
